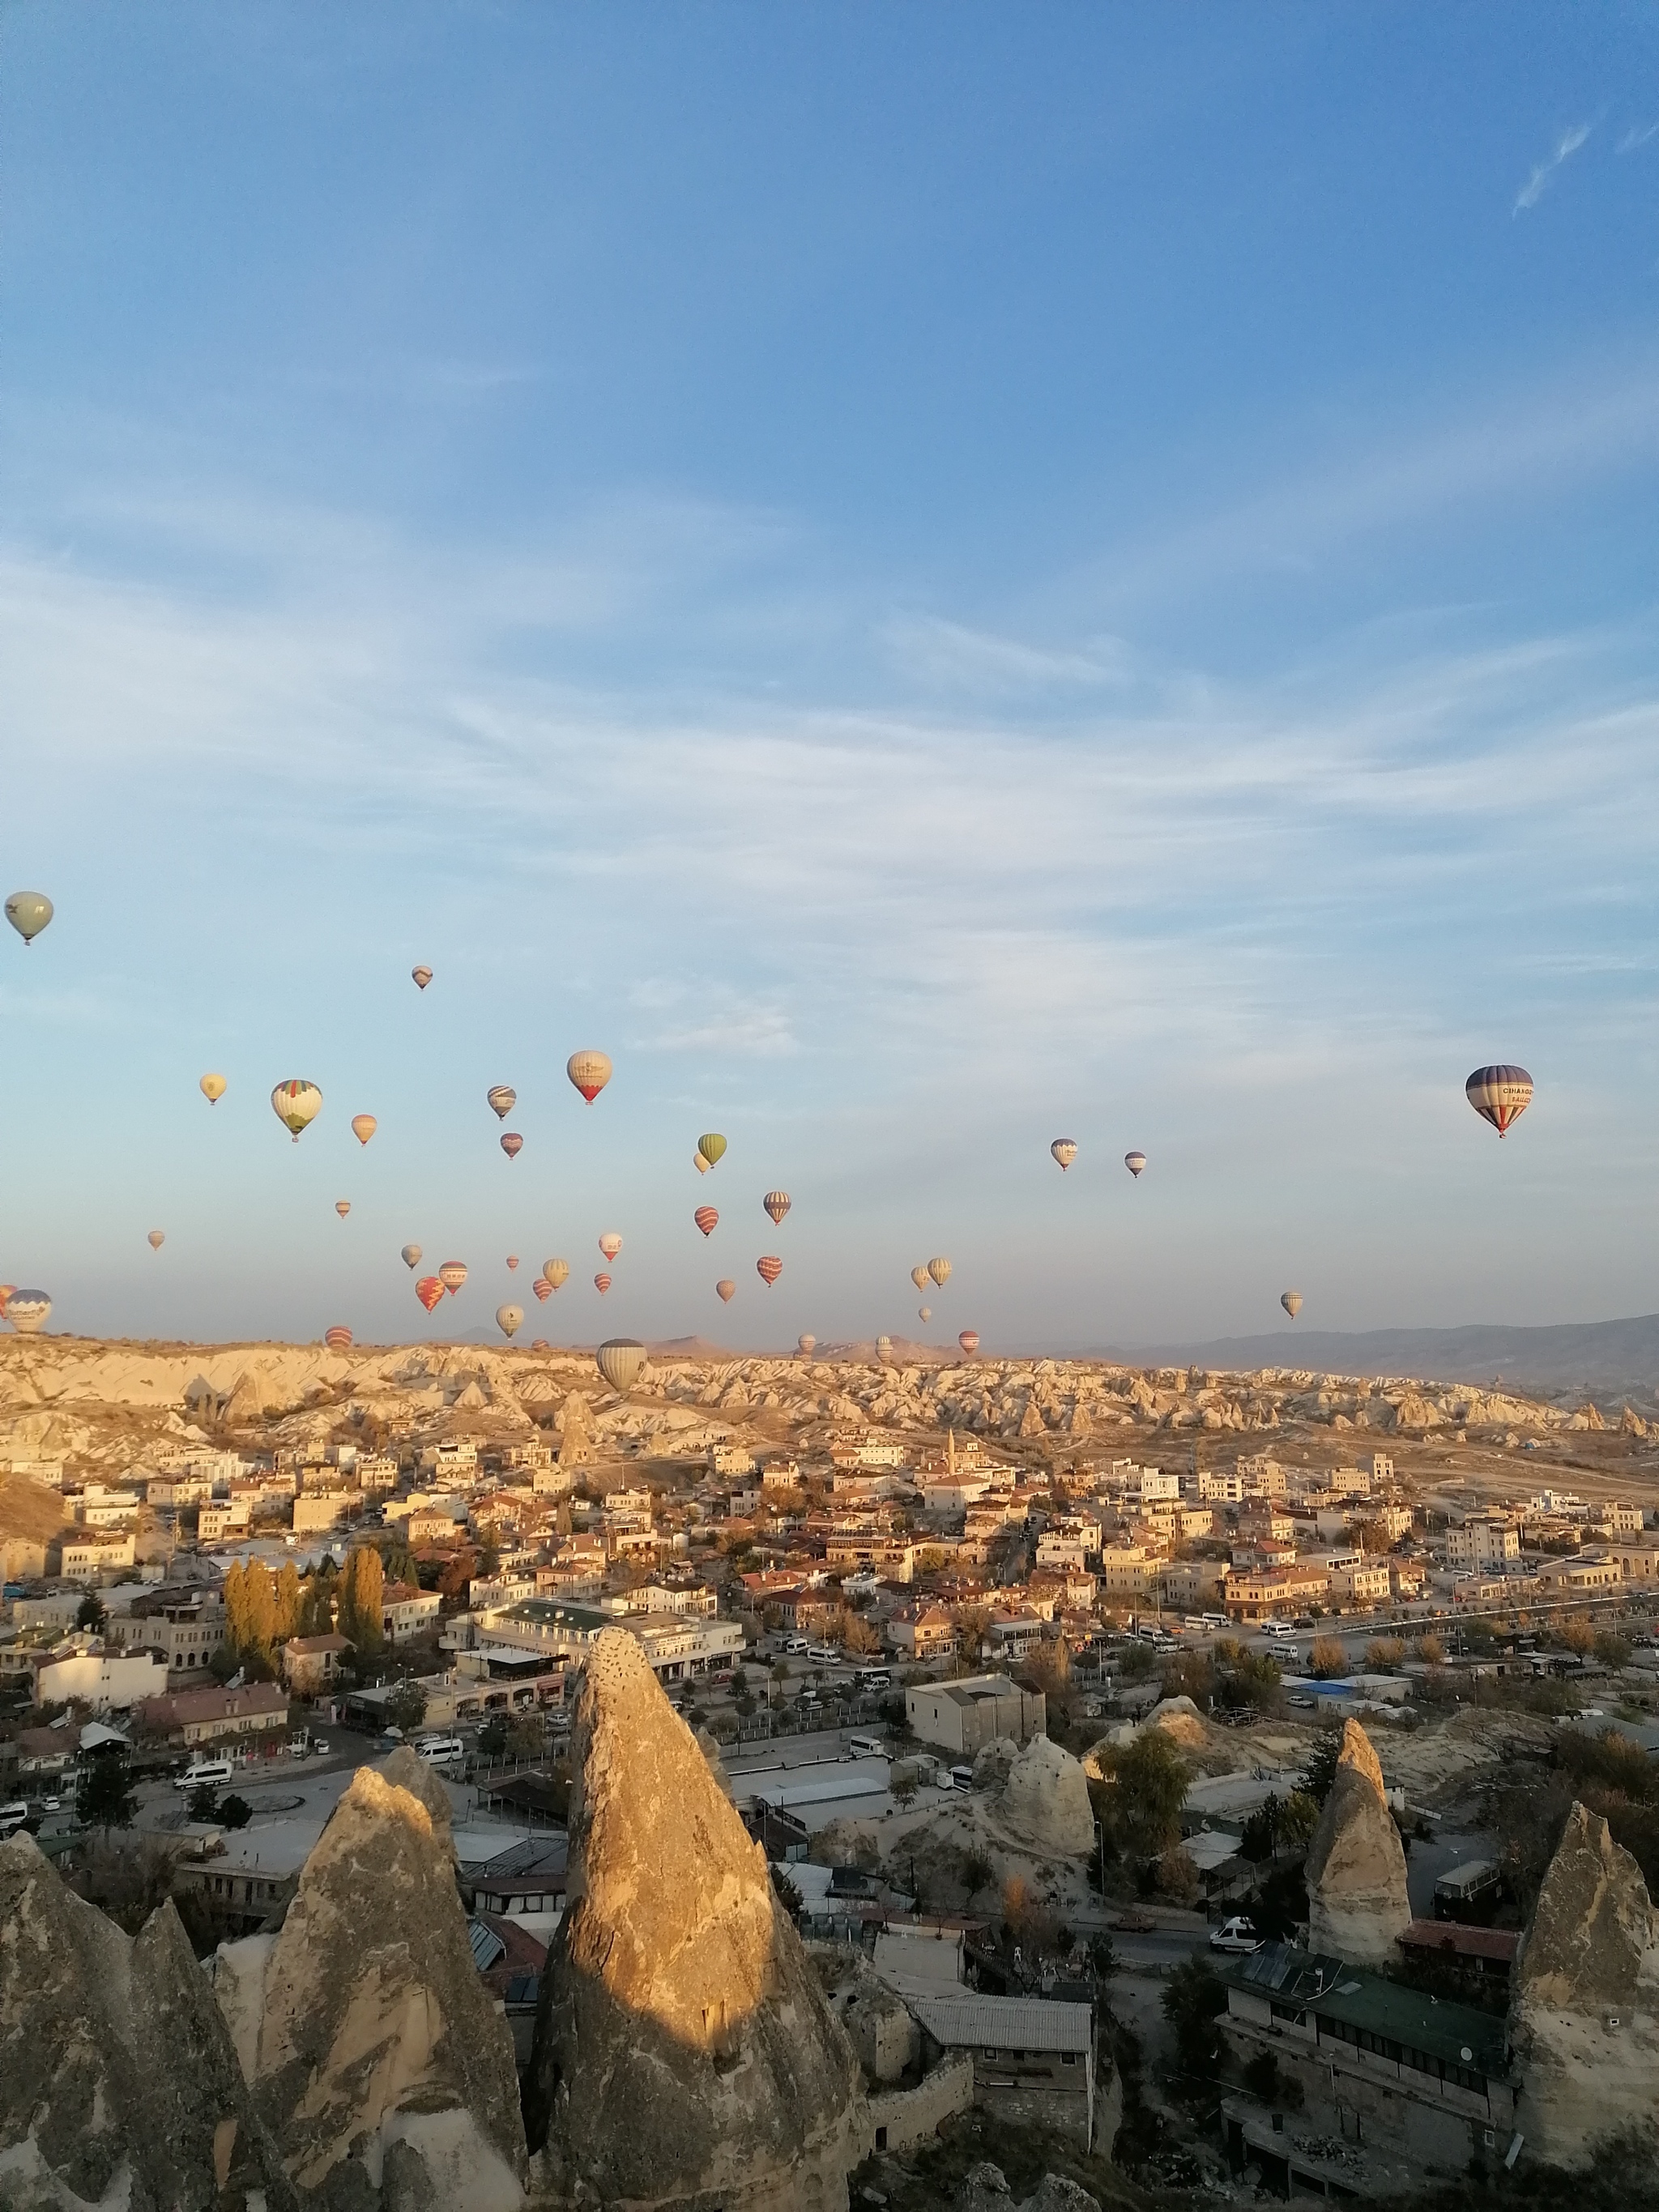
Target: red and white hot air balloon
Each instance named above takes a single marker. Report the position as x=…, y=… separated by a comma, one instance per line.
x=726, y=1289
x=590, y=1072
x=969, y=1342
x=338, y=1339
x=513, y=1144
x=512, y=1263
x=707, y=1219
x=610, y=1243
x=429, y=1290
x=602, y=1284
x=452, y=1275
x=542, y=1289
x=768, y=1268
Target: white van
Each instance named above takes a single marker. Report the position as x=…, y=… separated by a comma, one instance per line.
x=1277, y=1628
x=211, y=1774
x=442, y=1750
x=12, y=1817
x=867, y=1747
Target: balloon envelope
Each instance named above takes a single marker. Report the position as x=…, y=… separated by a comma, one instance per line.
x=924, y=1313
x=1135, y=1162
x=338, y=1339
x=363, y=1127
x=602, y=1284
x=1499, y=1095
x=157, y=1239
x=707, y=1219
x=428, y=1290
x=776, y=1203
x=557, y=1272
x=29, y=913
x=711, y=1148
x=970, y=1341
x=540, y=1344
x=806, y=1346
x=920, y=1277
x=512, y=1143
x=453, y=1274
x=511, y=1263
x=884, y=1347
x=1064, y=1150
x=542, y=1289
x=768, y=1269
x=422, y=977
x=296, y=1105
x=940, y=1271
x=610, y=1243
x=212, y=1088
x=509, y=1319
x=726, y=1289
x=412, y=1255
x=619, y=1359
x=28, y=1311
x=503, y=1099
x=590, y=1072
x=1292, y=1301
x=699, y=1163
x=342, y=1206
x=6, y=1290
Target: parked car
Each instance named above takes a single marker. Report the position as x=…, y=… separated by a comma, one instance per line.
x=1237, y=1934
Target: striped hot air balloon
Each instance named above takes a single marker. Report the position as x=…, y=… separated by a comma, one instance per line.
x=590, y=1072
x=503, y=1098
x=428, y=1290
x=776, y=1203
x=511, y=1263
x=296, y=1105
x=920, y=1277
x=969, y=1342
x=1065, y=1151
x=542, y=1289
x=940, y=1271
x=768, y=1268
x=602, y=1284
x=452, y=1275
x=422, y=977
x=1292, y=1301
x=619, y=1359
x=1135, y=1162
x=338, y=1339
x=1499, y=1095
x=707, y=1219
x=512, y=1143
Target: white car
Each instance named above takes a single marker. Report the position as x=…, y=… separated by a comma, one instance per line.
x=1237, y=1934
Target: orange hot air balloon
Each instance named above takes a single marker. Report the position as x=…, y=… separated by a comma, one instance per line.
x=970, y=1341
x=428, y=1290
x=363, y=1127
x=610, y=1243
x=726, y=1289
x=6, y=1290
x=513, y=1144
x=342, y=1206
x=422, y=977
x=707, y=1219
x=776, y=1203
x=512, y=1263
x=452, y=1275
x=338, y=1339
x=542, y=1289
x=768, y=1269
x=602, y=1284
x=590, y=1072
x=158, y=1237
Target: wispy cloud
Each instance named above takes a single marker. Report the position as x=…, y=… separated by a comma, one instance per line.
x=1635, y=136
x=1538, y=183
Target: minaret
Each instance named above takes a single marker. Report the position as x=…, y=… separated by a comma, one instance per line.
x=951, y=1449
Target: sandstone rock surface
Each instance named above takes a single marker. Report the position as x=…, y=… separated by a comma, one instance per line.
x=985, y=2189
x=1356, y=1869
x=685, y=2054
x=118, y=2084
x=1045, y=1799
x=383, y=2069
x=1181, y=1721
x=1586, y=2003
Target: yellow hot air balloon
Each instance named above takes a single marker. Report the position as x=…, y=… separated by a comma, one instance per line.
x=711, y=1148
x=556, y=1271
x=941, y=1271
x=363, y=1127
x=920, y=1277
x=590, y=1072
x=296, y=1105
x=29, y=913
x=509, y=1319
x=699, y=1163
x=212, y=1088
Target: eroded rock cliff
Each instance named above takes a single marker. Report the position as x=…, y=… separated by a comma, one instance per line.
x=1356, y=1870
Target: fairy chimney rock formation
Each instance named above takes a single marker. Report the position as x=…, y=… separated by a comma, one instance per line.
x=1045, y=1799
x=382, y=2067
x=685, y=2054
x=1356, y=1869
x=1585, y=2014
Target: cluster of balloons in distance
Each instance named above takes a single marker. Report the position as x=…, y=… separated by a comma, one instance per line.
x=1065, y=1151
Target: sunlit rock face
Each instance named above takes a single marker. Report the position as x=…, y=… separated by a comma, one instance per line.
x=1585, y=2017
x=684, y=2054
x=1357, y=1907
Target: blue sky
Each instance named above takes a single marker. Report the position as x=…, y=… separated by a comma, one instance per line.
x=928, y=579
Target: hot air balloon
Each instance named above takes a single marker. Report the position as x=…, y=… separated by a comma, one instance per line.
x=363, y=1127
x=699, y=1163
x=1292, y=1301
x=509, y=1319
x=619, y=1359
x=503, y=1098
x=610, y=1243
x=557, y=1273
x=429, y=1290
x=707, y=1219
x=924, y=1313
x=342, y=1206
x=941, y=1271
x=884, y=1348
x=590, y=1072
x=542, y=1289
x=511, y=1263
x=711, y=1148
x=29, y=913
x=1065, y=1151
x=1499, y=1095
x=768, y=1269
x=29, y=1310
x=513, y=1144
x=452, y=1275
x=776, y=1203
x=7, y=1291
x=1135, y=1162
x=540, y=1344
x=602, y=1284
x=157, y=1238
x=969, y=1342
x=212, y=1088
x=920, y=1277
x=296, y=1105
x=726, y=1289
x=338, y=1339
x=806, y=1346
x=412, y=1255
x=422, y=977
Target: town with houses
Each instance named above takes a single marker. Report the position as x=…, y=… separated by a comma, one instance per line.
x=1134, y=1752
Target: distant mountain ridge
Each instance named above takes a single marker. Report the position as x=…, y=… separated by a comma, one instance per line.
x=1595, y=1358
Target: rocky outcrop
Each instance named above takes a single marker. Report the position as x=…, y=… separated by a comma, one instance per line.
x=1181, y=1721
x=985, y=2189
x=1045, y=1799
x=1585, y=2017
x=1356, y=1869
x=118, y=2084
x=685, y=2054
x=382, y=2067
x=407, y=1770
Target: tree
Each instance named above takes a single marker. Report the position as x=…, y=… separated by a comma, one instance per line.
x=316, y=1613
x=489, y=1550
x=1194, y=2000
x=1384, y=1652
x=1150, y=1787
x=1613, y=1651
x=511, y=1735
x=361, y=1588
x=92, y=1613
x=406, y=1708
x=904, y=1786
x=1430, y=1650
x=204, y=1801
x=1576, y=1634
x=1319, y=1775
x=857, y=1635
x=1328, y=1658
x=103, y=1795
x=287, y=1621
x=235, y=1812
x=977, y=1873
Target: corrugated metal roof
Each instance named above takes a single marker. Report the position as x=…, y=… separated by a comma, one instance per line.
x=983, y=2023
x=486, y=1946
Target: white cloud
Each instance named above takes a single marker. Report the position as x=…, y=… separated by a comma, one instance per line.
x=1636, y=136
x=1536, y=184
